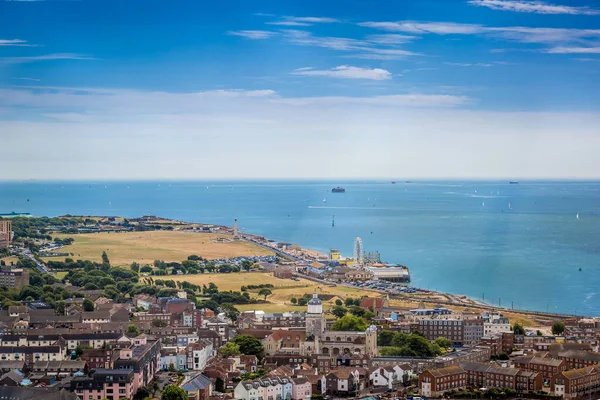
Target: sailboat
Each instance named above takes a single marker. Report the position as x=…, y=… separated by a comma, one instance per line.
x=577, y=216
x=509, y=207
x=324, y=200
x=483, y=204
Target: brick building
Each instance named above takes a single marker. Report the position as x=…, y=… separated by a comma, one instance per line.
x=489, y=375
x=452, y=329
x=575, y=383
x=434, y=382
x=547, y=367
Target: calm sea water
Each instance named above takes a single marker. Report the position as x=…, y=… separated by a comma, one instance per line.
x=520, y=245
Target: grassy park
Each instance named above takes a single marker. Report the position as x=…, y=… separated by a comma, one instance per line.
x=145, y=247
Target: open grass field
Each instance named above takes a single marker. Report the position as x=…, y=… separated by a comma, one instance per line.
x=284, y=289
x=10, y=259
x=145, y=247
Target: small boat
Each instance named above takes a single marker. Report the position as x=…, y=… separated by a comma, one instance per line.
x=483, y=204
x=509, y=207
x=577, y=216
x=338, y=190
x=393, y=182
x=324, y=200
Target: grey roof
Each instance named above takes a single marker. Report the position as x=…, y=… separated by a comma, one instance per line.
x=22, y=393
x=199, y=382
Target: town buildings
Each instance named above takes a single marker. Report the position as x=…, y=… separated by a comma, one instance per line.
x=6, y=233
x=13, y=278
x=581, y=382
x=110, y=384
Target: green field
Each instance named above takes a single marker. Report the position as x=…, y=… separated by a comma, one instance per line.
x=145, y=247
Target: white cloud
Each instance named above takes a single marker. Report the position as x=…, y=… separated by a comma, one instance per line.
x=390, y=38
x=537, y=7
x=261, y=134
x=440, y=28
x=253, y=34
x=288, y=23
x=574, y=50
x=348, y=72
x=513, y=33
x=312, y=20
x=360, y=48
x=455, y=64
x=45, y=57
x=15, y=43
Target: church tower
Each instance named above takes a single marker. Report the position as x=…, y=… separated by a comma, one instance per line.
x=315, y=321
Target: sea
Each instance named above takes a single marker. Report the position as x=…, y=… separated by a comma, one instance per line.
x=531, y=245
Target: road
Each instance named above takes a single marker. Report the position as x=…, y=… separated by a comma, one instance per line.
x=27, y=254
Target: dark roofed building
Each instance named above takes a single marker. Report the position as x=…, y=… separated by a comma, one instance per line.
x=26, y=393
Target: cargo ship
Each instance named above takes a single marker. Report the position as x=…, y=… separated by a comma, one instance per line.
x=338, y=190
x=513, y=182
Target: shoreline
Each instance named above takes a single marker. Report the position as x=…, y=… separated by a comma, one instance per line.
x=316, y=255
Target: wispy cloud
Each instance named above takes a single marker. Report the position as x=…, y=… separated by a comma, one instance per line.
x=574, y=50
x=478, y=64
x=536, y=7
x=347, y=72
x=288, y=23
x=390, y=38
x=312, y=20
x=16, y=43
x=522, y=34
x=366, y=49
x=253, y=34
x=46, y=57
x=440, y=28
x=455, y=64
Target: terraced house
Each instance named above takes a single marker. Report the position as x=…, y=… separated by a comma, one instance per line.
x=274, y=388
x=434, y=382
x=575, y=383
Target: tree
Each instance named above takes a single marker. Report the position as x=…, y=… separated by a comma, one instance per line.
x=246, y=265
x=518, y=329
x=368, y=315
x=230, y=349
x=105, y=259
x=60, y=308
x=339, y=311
x=135, y=267
x=265, y=292
x=443, y=342
x=294, y=300
x=88, y=305
x=302, y=301
x=146, y=269
x=385, y=338
x=249, y=345
x=356, y=310
x=158, y=323
x=132, y=330
x=349, y=302
x=220, y=385
x=350, y=323
x=338, y=302
x=558, y=328
x=539, y=333
x=230, y=311
x=143, y=392
x=172, y=367
x=173, y=392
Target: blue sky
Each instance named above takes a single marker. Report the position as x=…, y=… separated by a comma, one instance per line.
x=417, y=88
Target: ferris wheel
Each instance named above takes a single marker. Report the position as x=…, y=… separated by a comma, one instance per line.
x=358, y=251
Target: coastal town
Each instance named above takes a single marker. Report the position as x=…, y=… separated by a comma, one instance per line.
x=299, y=325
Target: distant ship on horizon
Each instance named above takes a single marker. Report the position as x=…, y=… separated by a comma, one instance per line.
x=514, y=182
x=338, y=190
